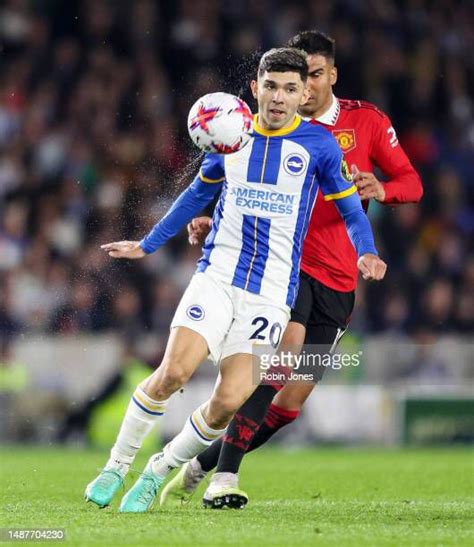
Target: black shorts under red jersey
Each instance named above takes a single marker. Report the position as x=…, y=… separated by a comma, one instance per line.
x=324, y=312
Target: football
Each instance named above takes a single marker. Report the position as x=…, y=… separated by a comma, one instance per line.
x=220, y=123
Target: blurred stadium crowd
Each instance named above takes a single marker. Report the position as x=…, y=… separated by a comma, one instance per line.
x=93, y=147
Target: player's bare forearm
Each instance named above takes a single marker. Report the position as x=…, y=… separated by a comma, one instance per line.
x=124, y=249
x=198, y=229
x=372, y=267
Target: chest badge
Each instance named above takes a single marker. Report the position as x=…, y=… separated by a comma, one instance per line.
x=294, y=164
x=345, y=139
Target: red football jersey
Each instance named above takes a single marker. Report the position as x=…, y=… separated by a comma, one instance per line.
x=367, y=138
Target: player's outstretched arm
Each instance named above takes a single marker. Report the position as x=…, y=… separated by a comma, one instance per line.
x=190, y=203
x=193, y=200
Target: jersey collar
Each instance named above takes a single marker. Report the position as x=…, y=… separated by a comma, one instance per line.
x=332, y=113
x=275, y=132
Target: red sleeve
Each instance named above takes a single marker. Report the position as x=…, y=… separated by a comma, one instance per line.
x=403, y=184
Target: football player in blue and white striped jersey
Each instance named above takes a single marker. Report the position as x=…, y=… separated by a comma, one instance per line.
x=247, y=278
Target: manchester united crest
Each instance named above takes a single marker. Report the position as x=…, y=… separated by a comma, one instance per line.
x=345, y=138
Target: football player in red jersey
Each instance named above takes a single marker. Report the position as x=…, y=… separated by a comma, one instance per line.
x=328, y=276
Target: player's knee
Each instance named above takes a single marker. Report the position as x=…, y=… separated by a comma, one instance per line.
x=293, y=336
x=167, y=380
x=175, y=377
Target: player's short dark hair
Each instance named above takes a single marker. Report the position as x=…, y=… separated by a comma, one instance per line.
x=284, y=59
x=314, y=42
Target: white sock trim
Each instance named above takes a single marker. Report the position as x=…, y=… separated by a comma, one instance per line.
x=147, y=404
x=204, y=432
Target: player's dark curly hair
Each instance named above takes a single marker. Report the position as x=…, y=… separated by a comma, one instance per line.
x=314, y=42
x=284, y=59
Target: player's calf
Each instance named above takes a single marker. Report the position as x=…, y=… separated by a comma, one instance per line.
x=275, y=419
x=235, y=387
x=293, y=396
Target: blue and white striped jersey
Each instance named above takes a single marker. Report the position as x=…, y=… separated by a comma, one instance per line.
x=268, y=192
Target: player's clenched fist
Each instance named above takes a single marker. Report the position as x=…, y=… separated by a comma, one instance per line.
x=198, y=229
x=124, y=249
x=372, y=267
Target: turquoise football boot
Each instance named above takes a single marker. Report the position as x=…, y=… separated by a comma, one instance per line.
x=140, y=498
x=102, y=490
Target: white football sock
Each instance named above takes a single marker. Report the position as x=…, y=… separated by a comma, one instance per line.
x=195, y=436
x=225, y=480
x=196, y=467
x=142, y=414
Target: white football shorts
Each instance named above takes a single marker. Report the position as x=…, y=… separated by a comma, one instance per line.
x=230, y=319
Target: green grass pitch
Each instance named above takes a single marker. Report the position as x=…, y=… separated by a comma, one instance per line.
x=326, y=496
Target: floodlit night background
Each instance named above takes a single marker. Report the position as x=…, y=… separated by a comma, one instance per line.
x=94, y=98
